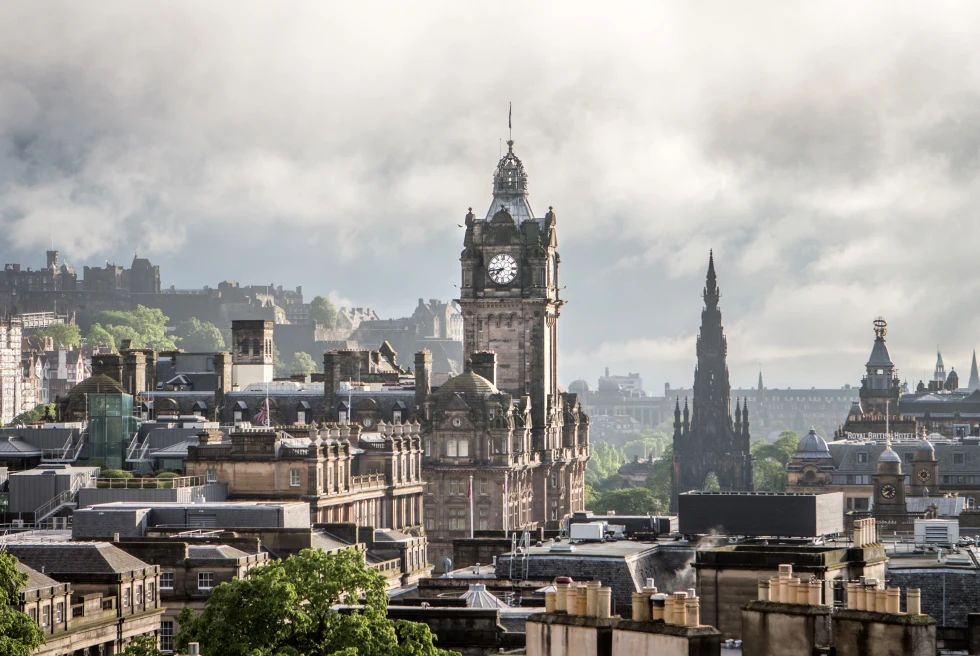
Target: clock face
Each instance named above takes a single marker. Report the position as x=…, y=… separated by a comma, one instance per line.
x=502, y=268
x=888, y=491
x=367, y=422
x=924, y=475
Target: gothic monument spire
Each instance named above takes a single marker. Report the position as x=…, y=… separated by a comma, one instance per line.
x=714, y=444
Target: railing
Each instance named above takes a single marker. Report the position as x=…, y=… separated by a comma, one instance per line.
x=137, y=452
x=59, y=500
x=367, y=481
x=67, y=453
x=149, y=483
x=293, y=451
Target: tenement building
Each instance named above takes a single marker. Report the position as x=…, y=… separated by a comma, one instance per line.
x=706, y=440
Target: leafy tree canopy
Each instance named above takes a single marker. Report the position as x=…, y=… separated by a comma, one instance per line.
x=99, y=336
x=143, y=645
x=769, y=461
x=658, y=480
x=145, y=327
x=19, y=635
x=303, y=363
x=197, y=336
x=630, y=501
x=323, y=311
x=39, y=413
x=286, y=607
x=62, y=334
x=279, y=367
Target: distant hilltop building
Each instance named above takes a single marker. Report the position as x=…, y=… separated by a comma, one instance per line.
x=707, y=440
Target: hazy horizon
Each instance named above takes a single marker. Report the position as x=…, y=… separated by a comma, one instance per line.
x=828, y=153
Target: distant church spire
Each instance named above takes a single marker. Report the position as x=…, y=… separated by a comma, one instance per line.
x=974, y=375
x=714, y=443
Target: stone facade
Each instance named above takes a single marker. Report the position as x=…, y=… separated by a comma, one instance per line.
x=380, y=487
x=503, y=424
x=709, y=442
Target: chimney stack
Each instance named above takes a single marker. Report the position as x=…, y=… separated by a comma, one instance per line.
x=484, y=363
x=423, y=377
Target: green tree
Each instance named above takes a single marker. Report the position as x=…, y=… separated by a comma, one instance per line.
x=99, y=336
x=658, y=480
x=287, y=607
x=711, y=483
x=604, y=464
x=197, y=336
x=630, y=501
x=19, y=634
x=62, y=334
x=145, y=327
x=303, y=363
x=323, y=311
x=769, y=461
x=279, y=367
x=143, y=645
x=39, y=413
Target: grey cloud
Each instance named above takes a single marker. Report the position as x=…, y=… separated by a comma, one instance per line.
x=828, y=154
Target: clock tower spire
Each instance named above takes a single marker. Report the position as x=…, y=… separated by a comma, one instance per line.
x=509, y=295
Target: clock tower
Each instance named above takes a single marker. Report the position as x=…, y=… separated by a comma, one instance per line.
x=889, y=485
x=925, y=469
x=509, y=296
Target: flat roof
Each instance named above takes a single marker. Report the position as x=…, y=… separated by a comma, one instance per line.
x=135, y=505
x=609, y=549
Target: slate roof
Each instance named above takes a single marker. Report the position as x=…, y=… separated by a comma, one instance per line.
x=35, y=580
x=76, y=558
x=939, y=403
x=947, y=506
x=846, y=456
x=879, y=355
x=214, y=551
x=12, y=446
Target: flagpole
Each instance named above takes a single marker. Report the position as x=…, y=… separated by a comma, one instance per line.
x=506, y=507
x=471, y=506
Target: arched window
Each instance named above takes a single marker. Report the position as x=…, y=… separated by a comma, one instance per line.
x=257, y=348
x=245, y=346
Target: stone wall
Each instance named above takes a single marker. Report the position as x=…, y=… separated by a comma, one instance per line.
x=867, y=633
x=948, y=594
x=784, y=629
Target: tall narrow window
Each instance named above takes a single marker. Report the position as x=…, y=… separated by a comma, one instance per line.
x=166, y=635
x=294, y=478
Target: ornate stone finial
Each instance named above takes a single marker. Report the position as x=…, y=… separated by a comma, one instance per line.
x=881, y=328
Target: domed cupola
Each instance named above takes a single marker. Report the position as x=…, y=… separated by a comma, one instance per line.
x=510, y=190
x=813, y=447
x=889, y=462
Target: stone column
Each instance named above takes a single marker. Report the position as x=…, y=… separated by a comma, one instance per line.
x=893, y=600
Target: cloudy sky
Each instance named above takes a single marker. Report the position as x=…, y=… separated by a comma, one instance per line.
x=828, y=153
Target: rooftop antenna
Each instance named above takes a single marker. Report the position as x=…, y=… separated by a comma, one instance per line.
x=510, y=114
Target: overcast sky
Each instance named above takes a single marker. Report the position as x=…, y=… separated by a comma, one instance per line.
x=829, y=153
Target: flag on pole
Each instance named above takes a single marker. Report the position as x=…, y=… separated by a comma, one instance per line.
x=469, y=491
x=262, y=416
x=510, y=113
